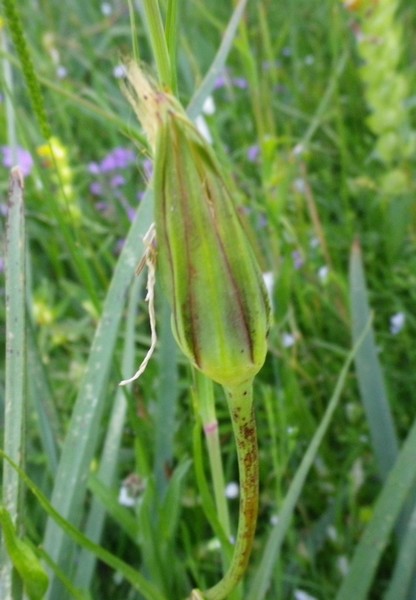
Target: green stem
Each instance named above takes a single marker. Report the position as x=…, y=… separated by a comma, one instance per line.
x=206, y=405
x=240, y=403
x=158, y=41
x=171, y=38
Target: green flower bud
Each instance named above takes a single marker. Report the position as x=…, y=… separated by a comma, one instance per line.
x=220, y=308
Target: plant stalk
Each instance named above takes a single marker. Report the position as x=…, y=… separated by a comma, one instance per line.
x=240, y=403
x=206, y=406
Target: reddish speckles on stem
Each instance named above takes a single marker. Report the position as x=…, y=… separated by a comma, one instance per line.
x=242, y=414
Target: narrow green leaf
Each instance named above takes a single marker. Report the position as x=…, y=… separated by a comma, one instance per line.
x=133, y=576
x=108, y=500
x=403, y=575
x=167, y=396
x=400, y=481
x=380, y=420
x=82, y=436
x=15, y=393
x=207, y=502
x=158, y=41
x=369, y=373
x=40, y=397
x=168, y=516
x=110, y=454
x=72, y=590
x=171, y=37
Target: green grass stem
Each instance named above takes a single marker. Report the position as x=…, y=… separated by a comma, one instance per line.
x=204, y=393
x=158, y=42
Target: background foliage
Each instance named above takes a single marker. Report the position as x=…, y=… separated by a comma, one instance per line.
x=313, y=115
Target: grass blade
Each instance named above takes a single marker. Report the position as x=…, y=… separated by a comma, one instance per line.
x=80, y=442
x=403, y=575
x=370, y=377
x=400, y=481
x=132, y=575
x=383, y=435
x=166, y=402
x=40, y=397
x=110, y=454
x=158, y=41
x=15, y=392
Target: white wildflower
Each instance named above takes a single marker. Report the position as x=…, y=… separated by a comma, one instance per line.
x=323, y=273
x=232, y=490
x=397, y=322
x=288, y=340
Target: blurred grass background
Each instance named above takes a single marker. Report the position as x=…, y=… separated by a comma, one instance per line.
x=314, y=117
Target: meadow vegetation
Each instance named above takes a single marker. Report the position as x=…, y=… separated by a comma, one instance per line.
x=310, y=108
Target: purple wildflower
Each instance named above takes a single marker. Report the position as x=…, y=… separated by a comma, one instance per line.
x=262, y=221
x=240, y=82
x=119, y=158
x=223, y=80
x=94, y=168
x=117, y=181
x=20, y=157
x=253, y=152
x=96, y=188
x=220, y=82
x=2, y=264
x=102, y=207
x=297, y=259
x=131, y=213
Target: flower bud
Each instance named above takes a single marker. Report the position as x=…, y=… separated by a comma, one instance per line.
x=220, y=308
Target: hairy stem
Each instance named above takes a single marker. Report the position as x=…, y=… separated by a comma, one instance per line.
x=240, y=402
